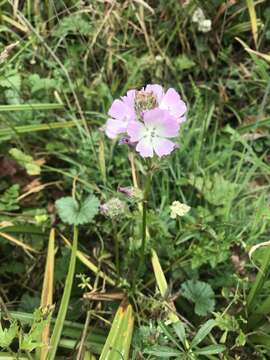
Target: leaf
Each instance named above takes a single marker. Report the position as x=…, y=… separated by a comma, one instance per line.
x=179, y=328
x=211, y=350
x=201, y=294
x=31, y=341
x=26, y=161
x=162, y=285
x=119, y=339
x=9, y=200
x=203, y=332
x=8, y=335
x=47, y=293
x=71, y=212
x=253, y=20
x=215, y=189
x=163, y=352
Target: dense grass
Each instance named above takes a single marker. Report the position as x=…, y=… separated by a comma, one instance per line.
x=69, y=61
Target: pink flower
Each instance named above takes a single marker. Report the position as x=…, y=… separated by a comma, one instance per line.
x=170, y=101
x=152, y=134
x=135, y=104
x=121, y=112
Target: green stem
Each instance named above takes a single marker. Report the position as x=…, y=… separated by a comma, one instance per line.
x=59, y=323
x=144, y=218
x=116, y=248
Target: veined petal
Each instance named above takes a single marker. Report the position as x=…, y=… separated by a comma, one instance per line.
x=135, y=130
x=173, y=103
x=163, y=146
x=120, y=111
x=145, y=148
x=115, y=127
x=129, y=98
x=164, y=124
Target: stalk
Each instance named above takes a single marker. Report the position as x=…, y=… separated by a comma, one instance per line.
x=144, y=218
x=59, y=323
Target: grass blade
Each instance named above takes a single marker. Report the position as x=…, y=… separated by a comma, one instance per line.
x=57, y=331
x=118, y=342
x=11, y=239
x=253, y=20
x=47, y=292
x=162, y=285
x=30, y=107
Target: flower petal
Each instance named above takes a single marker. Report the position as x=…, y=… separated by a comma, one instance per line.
x=162, y=121
x=129, y=98
x=173, y=103
x=121, y=111
x=135, y=130
x=145, y=148
x=115, y=127
x=157, y=90
x=163, y=146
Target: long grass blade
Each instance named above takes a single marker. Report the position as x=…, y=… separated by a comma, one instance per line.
x=58, y=327
x=162, y=285
x=47, y=292
x=253, y=20
x=119, y=339
x=17, y=242
x=7, y=132
x=30, y=107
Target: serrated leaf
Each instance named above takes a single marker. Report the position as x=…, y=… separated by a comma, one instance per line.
x=201, y=294
x=71, y=212
x=7, y=335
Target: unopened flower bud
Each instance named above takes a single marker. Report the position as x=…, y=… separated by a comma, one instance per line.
x=113, y=208
x=131, y=192
x=126, y=141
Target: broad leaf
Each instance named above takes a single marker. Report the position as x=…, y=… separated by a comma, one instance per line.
x=71, y=212
x=201, y=294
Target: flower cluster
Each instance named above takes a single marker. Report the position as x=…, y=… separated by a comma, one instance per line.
x=147, y=118
x=198, y=17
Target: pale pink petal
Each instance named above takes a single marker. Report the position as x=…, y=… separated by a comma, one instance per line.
x=157, y=90
x=162, y=146
x=115, y=127
x=129, y=98
x=120, y=111
x=173, y=103
x=165, y=125
x=135, y=130
x=145, y=148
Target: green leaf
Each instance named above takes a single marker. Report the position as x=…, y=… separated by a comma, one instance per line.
x=118, y=342
x=215, y=189
x=71, y=212
x=203, y=332
x=201, y=294
x=26, y=161
x=180, y=331
x=31, y=341
x=211, y=350
x=7, y=335
x=163, y=352
x=8, y=200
